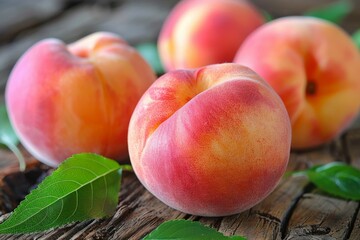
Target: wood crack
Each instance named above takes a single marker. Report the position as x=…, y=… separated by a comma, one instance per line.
x=345, y=147
x=351, y=225
x=340, y=150
x=285, y=223
x=309, y=231
x=268, y=217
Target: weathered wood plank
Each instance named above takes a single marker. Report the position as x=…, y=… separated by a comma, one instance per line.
x=138, y=21
x=139, y=212
x=19, y=15
x=355, y=233
x=318, y=216
x=321, y=216
x=266, y=219
x=6, y=158
x=71, y=26
x=320, y=155
x=353, y=142
x=269, y=219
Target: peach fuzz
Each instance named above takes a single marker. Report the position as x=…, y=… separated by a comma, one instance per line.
x=201, y=32
x=314, y=66
x=212, y=141
x=66, y=99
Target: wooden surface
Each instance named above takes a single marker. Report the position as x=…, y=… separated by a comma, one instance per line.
x=295, y=210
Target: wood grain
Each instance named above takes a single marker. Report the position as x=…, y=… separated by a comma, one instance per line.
x=319, y=215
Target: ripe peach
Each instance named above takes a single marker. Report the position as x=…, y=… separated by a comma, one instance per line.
x=314, y=66
x=202, y=32
x=64, y=100
x=212, y=141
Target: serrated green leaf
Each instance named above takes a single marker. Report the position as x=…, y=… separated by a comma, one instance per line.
x=356, y=38
x=335, y=178
x=85, y=186
x=8, y=136
x=189, y=230
x=149, y=52
x=334, y=12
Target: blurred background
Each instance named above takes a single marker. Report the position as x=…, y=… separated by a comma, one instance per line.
x=24, y=22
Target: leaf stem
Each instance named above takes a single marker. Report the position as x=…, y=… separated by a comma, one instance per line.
x=20, y=157
x=295, y=173
x=126, y=167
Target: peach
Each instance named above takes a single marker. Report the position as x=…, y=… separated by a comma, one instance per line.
x=202, y=32
x=66, y=99
x=212, y=141
x=314, y=66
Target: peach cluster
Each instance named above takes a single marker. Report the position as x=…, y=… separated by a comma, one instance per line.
x=208, y=138
x=314, y=66
x=77, y=98
x=202, y=32
x=212, y=141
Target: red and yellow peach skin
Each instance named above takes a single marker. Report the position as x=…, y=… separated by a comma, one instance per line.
x=314, y=66
x=66, y=99
x=212, y=141
x=202, y=32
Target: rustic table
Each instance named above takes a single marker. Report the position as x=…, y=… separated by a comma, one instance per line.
x=295, y=210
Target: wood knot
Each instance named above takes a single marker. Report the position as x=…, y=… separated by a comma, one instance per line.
x=309, y=232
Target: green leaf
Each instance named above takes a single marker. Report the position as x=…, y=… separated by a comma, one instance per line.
x=267, y=16
x=356, y=38
x=85, y=186
x=149, y=52
x=335, y=178
x=186, y=229
x=333, y=12
x=8, y=136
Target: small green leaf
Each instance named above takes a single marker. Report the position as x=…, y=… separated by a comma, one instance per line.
x=335, y=178
x=356, y=38
x=333, y=12
x=8, y=137
x=186, y=229
x=267, y=16
x=85, y=186
x=149, y=52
